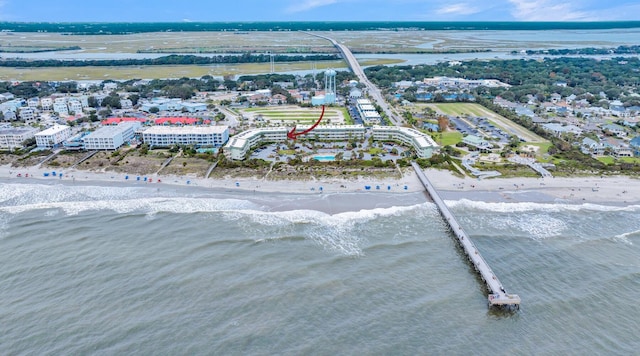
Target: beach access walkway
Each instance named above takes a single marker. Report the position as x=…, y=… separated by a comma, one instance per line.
x=497, y=294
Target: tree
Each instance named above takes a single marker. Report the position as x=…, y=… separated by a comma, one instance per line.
x=92, y=101
x=104, y=112
x=134, y=99
x=443, y=123
x=112, y=101
x=154, y=110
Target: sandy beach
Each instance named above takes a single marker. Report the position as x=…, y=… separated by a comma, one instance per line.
x=618, y=190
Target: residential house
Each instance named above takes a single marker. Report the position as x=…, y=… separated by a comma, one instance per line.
x=591, y=147
x=46, y=103
x=477, y=142
x=618, y=147
x=634, y=144
x=558, y=129
x=27, y=114
x=9, y=115
x=614, y=129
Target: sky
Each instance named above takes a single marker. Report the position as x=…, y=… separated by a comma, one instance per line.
x=317, y=10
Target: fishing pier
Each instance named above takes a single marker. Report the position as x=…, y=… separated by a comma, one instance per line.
x=497, y=295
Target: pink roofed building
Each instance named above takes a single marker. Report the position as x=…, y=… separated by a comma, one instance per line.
x=117, y=120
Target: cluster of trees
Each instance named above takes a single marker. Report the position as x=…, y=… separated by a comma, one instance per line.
x=585, y=51
x=578, y=76
x=168, y=60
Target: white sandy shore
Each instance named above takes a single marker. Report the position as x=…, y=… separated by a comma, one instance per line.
x=613, y=190
x=410, y=181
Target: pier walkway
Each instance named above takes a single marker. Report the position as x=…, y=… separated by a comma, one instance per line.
x=497, y=294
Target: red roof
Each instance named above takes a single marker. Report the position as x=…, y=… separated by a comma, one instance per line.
x=117, y=120
x=176, y=120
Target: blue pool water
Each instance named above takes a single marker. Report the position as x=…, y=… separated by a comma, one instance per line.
x=325, y=158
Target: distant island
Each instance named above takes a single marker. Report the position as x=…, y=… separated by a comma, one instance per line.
x=620, y=50
x=93, y=28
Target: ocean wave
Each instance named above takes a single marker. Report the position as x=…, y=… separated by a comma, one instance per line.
x=624, y=237
x=25, y=194
x=503, y=207
x=340, y=232
x=146, y=205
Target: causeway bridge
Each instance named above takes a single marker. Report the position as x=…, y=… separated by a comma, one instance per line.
x=357, y=70
x=498, y=296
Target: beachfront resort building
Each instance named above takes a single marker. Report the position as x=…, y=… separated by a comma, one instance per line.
x=52, y=136
x=11, y=137
x=111, y=137
x=239, y=145
x=422, y=143
x=201, y=136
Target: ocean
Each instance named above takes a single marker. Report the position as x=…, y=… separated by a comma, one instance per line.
x=114, y=269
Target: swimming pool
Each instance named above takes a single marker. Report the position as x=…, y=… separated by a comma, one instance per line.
x=325, y=158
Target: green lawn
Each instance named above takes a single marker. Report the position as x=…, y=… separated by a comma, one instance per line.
x=612, y=160
x=448, y=138
x=606, y=160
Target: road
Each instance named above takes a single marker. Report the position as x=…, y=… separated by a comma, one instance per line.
x=373, y=90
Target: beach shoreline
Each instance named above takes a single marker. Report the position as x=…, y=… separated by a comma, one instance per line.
x=615, y=190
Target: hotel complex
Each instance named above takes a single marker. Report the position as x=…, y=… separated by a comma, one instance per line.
x=239, y=145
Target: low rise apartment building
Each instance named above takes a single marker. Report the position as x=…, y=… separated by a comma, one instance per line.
x=202, y=136
x=52, y=136
x=11, y=137
x=111, y=137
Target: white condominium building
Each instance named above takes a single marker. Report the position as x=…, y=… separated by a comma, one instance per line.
x=60, y=106
x=111, y=137
x=46, y=103
x=368, y=112
x=75, y=106
x=53, y=136
x=11, y=138
x=240, y=144
x=27, y=114
x=165, y=136
x=422, y=143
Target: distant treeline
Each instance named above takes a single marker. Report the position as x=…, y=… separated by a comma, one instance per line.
x=586, y=51
x=138, y=27
x=167, y=60
x=27, y=49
